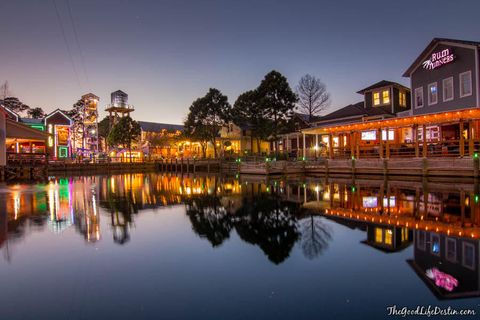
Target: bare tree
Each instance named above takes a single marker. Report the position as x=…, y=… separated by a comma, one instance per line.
x=4, y=91
x=313, y=97
x=315, y=236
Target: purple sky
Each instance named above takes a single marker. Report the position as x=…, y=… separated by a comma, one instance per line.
x=165, y=54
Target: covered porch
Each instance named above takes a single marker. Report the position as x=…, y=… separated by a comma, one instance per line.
x=447, y=134
x=25, y=145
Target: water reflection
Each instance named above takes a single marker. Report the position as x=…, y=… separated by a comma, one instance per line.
x=440, y=220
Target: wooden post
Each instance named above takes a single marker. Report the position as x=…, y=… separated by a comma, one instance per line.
x=415, y=139
x=330, y=146
x=387, y=145
x=352, y=144
x=424, y=141
x=471, y=147
x=380, y=149
x=357, y=144
x=462, y=140
x=304, y=147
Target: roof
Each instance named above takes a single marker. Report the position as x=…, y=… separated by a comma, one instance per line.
x=158, y=127
x=383, y=83
x=90, y=96
x=305, y=117
x=433, y=44
x=31, y=120
x=16, y=130
x=357, y=109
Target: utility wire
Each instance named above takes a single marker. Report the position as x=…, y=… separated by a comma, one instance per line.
x=82, y=59
x=69, y=51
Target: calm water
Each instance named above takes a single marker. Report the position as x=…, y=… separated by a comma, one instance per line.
x=159, y=247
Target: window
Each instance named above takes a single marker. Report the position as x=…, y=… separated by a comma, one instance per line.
x=391, y=135
x=388, y=237
x=421, y=240
x=432, y=93
x=451, y=247
x=465, y=84
x=435, y=244
x=378, y=235
x=419, y=97
x=448, y=89
x=386, y=96
x=468, y=256
x=404, y=234
x=376, y=98
x=402, y=99
x=369, y=135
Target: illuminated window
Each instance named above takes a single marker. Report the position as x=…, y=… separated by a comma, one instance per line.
x=391, y=134
x=369, y=135
x=465, y=84
x=404, y=234
x=419, y=97
x=388, y=237
x=435, y=244
x=448, y=89
x=376, y=98
x=432, y=93
x=378, y=235
x=402, y=99
x=386, y=96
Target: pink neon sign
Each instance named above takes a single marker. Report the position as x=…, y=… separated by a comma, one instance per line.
x=442, y=279
x=438, y=59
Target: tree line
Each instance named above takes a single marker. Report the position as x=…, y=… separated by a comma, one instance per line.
x=266, y=111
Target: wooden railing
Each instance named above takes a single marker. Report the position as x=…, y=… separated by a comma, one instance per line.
x=26, y=159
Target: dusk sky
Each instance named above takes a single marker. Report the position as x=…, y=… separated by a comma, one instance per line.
x=165, y=54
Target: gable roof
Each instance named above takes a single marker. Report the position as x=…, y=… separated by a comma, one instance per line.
x=19, y=130
x=383, y=83
x=12, y=114
x=432, y=45
x=158, y=127
x=305, y=117
x=354, y=110
x=58, y=111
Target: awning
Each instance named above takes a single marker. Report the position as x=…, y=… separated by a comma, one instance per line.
x=16, y=130
x=427, y=119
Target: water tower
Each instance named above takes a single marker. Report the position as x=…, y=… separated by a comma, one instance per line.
x=118, y=107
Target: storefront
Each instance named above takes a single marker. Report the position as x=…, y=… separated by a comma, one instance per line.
x=59, y=125
x=443, y=120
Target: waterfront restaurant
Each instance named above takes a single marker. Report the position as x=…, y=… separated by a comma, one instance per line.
x=443, y=120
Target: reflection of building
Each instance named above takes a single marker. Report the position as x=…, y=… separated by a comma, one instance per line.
x=449, y=265
x=388, y=238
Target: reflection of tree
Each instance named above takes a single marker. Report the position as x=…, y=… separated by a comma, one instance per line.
x=270, y=223
x=121, y=207
x=315, y=236
x=209, y=218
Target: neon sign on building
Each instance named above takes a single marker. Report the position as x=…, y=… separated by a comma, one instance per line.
x=438, y=59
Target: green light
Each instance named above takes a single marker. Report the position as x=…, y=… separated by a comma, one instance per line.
x=267, y=159
x=62, y=152
x=303, y=158
x=353, y=157
x=38, y=127
x=476, y=198
x=475, y=155
x=268, y=189
x=354, y=189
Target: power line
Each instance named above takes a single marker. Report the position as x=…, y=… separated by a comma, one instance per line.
x=82, y=59
x=66, y=43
